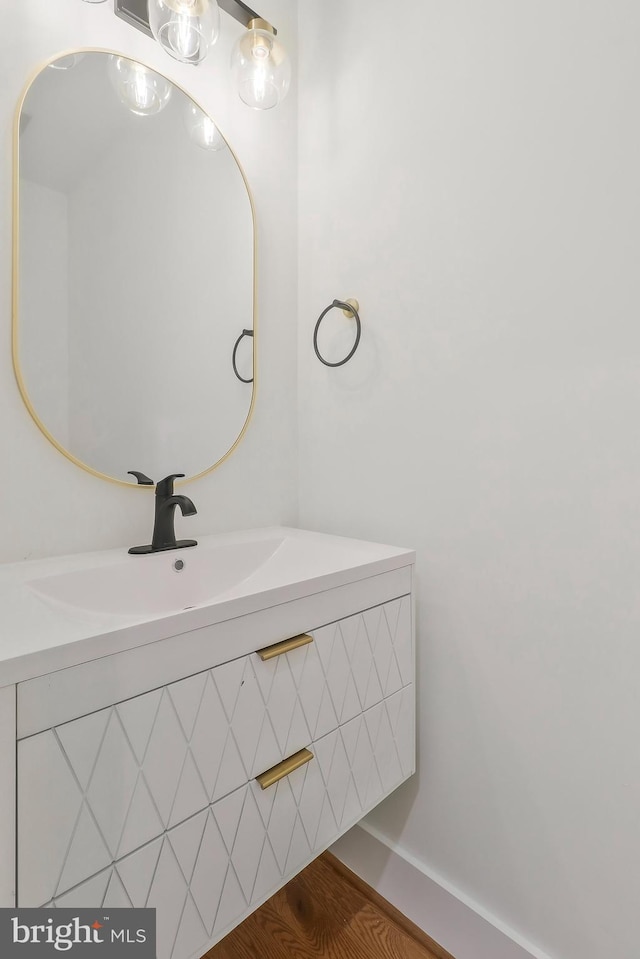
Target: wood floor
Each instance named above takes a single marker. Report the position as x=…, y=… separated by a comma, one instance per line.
x=327, y=911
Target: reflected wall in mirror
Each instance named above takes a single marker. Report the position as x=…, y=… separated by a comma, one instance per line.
x=133, y=273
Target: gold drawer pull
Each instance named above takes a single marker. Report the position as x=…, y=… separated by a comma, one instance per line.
x=270, y=652
x=285, y=768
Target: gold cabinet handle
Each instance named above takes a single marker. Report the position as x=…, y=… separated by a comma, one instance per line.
x=285, y=768
x=270, y=652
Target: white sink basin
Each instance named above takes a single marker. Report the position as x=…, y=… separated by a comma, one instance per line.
x=160, y=583
x=220, y=568
x=64, y=610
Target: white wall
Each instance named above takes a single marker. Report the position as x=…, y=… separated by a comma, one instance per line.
x=61, y=508
x=469, y=172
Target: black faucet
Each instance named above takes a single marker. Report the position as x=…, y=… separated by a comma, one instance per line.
x=164, y=536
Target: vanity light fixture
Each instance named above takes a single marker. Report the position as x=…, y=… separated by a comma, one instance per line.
x=261, y=67
x=142, y=90
x=187, y=28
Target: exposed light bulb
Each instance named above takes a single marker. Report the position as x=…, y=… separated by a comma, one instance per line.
x=257, y=82
x=184, y=40
x=185, y=28
x=142, y=90
x=202, y=129
x=261, y=67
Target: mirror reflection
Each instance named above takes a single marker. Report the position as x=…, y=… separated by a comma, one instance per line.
x=134, y=271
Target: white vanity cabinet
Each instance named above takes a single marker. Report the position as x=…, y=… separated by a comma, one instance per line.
x=137, y=771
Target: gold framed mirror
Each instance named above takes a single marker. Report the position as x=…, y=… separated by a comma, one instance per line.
x=134, y=271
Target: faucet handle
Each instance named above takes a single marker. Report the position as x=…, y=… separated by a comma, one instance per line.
x=165, y=486
x=142, y=479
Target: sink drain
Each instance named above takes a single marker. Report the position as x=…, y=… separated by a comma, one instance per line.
x=178, y=565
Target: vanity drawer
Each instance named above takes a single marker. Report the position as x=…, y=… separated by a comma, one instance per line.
x=96, y=788
x=352, y=768
x=208, y=873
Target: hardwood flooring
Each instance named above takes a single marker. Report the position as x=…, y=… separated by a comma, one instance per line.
x=327, y=912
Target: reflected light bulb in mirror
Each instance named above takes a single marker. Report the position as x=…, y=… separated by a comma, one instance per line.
x=261, y=67
x=142, y=90
x=69, y=60
x=202, y=129
x=185, y=28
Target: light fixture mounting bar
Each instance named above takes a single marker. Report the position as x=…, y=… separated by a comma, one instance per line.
x=239, y=11
x=136, y=12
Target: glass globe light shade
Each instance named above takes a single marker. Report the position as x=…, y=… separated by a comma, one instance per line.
x=261, y=67
x=144, y=92
x=202, y=129
x=94, y=1
x=185, y=28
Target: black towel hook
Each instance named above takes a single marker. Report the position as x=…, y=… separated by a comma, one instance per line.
x=349, y=308
x=233, y=356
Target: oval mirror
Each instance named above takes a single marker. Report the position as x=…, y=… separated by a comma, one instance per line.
x=133, y=271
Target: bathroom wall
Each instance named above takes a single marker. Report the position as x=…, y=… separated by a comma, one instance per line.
x=469, y=173
x=51, y=507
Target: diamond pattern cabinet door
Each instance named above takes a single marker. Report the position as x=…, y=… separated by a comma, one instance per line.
x=168, y=896
x=49, y=806
x=398, y=614
x=356, y=663
x=354, y=767
x=391, y=729
x=401, y=709
x=212, y=745
x=165, y=757
x=279, y=808
x=313, y=693
x=208, y=873
x=253, y=728
x=112, y=783
x=91, y=760
x=282, y=728
x=89, y=894
x=281, y=703
x=101, y=786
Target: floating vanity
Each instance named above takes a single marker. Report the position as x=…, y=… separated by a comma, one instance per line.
x=145, y=698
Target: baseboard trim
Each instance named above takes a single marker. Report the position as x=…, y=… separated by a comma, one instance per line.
x=460, y=925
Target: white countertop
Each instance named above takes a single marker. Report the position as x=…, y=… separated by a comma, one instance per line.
x=40, y=633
